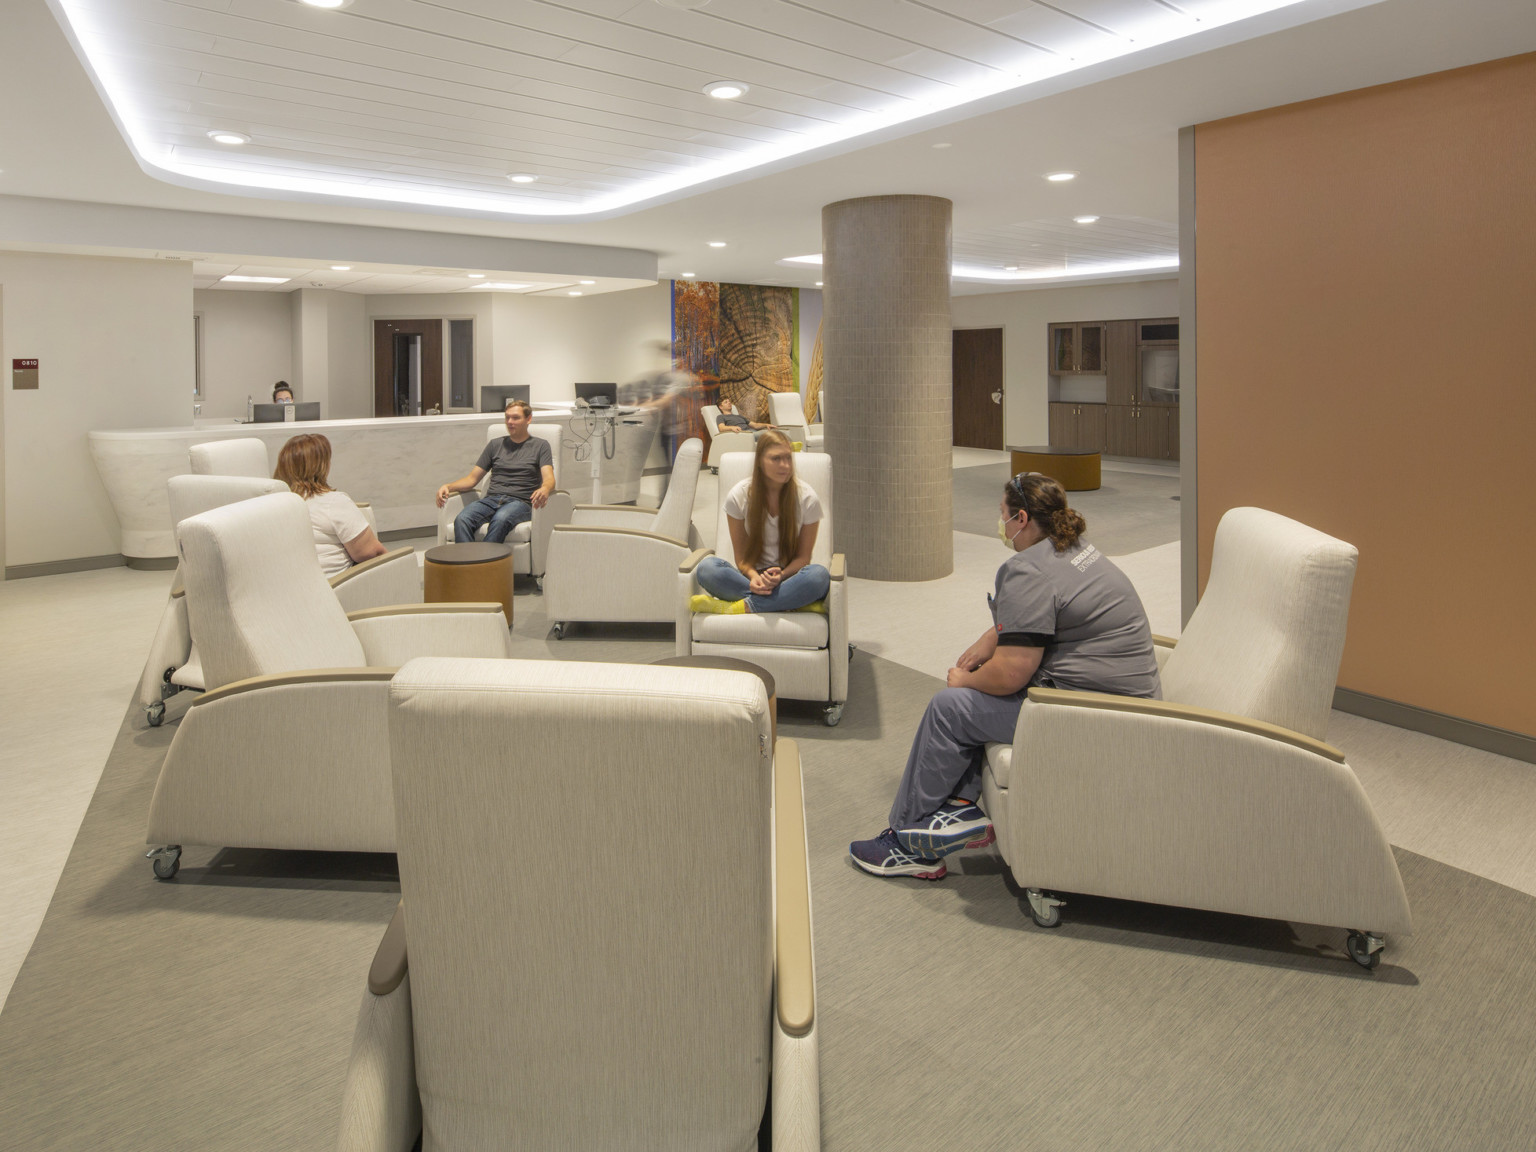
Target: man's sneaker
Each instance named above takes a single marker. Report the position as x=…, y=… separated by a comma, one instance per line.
x=951, y=828
x=884, y=856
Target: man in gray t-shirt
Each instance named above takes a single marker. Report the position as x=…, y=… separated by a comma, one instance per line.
x=1063, y=616
x=522, y=469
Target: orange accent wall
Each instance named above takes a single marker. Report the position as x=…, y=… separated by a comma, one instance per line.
x=1366, y=352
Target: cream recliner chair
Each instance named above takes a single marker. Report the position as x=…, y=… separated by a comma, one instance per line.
x=619, y=562
x=173, y=664
x=530, y=539
x=287, y=747
x=807, y=652
x=789, y=414
x=722, y=442
x=245, y=456
x=517, y=1002
x=1222, y=795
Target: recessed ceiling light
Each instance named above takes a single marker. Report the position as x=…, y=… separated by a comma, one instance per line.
x=221, y=136
x=1060, y=177
x=684, y=4
x=1010, y=267
x=813, y=258
x=476, y=275
x=573, y=293
x=522, y=178
x=256, y=279
x=689, y=275
x=726, y=89
x=326, y=3
x=943, y=144
x=586, y=281
x=818, y=283
x=341, y=267
x=717, y=243
x=1084, y=219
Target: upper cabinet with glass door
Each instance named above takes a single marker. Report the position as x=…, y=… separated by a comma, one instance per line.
x=1076, y=349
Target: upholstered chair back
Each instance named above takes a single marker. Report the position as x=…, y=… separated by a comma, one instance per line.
x=711, y=414
x=813, y=468
x=788, y=411
x=257, y=602
x=192, y=495
x=1267, y=637
x=246, y=456
x=624, y=996
x=676, y=511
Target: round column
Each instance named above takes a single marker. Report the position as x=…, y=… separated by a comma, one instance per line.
x=886, y=347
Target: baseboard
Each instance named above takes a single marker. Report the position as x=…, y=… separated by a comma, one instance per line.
x=151, y=563
x=408, y=533
x=1515, y=745
x=58, y=567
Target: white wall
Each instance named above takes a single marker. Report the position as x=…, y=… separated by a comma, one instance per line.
x=114, y=341
x=351, y=356
x=1023, y=316
x=551, y=343
x=247, y=347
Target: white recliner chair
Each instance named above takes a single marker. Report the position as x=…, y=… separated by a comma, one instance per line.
x=789, y=414
x=722, y=442
x=619, y=562
x=245, y=456
x=529, y=540
x=1223, y=795
x=538, y=1005
x=287, y=747
x=807, y=652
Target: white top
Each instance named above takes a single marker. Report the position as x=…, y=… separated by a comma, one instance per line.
x=810, y=513
x=335, y=520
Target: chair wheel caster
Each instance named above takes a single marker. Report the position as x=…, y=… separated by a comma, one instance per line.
x=166, y=861
x=832, y=714
x=1365, y=948
x=1044, y=909
x=155, y=713
x=538, y=582
x=559, y=629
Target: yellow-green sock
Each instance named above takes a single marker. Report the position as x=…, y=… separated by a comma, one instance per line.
x=705, y=603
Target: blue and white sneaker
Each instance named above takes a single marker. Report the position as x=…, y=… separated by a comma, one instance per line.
x=951, y=828
x=884, y=856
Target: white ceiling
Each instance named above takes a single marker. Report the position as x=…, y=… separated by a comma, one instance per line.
x=1118, y=127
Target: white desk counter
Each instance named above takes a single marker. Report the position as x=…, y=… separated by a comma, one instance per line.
x=395, y=463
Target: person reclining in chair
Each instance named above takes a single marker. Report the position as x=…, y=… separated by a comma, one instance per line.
x=730, y=420
x=1063, y=617
x=522, y=469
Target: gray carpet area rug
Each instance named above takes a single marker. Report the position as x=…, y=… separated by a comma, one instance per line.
x=216, y=1012
x=1132, y=510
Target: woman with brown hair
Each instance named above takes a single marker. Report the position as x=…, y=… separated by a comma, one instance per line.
x=773, y=519
x=342, y=535
x=1063, y=616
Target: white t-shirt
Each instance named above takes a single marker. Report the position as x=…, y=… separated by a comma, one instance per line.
x=810, y=513
x=335, y=520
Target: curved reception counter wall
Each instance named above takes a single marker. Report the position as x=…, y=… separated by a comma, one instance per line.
x=394, y=463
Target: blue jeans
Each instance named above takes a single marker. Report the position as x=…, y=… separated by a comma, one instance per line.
x=504, y=512
x=724, y=580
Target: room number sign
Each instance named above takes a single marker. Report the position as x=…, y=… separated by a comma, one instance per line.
x=23, y=373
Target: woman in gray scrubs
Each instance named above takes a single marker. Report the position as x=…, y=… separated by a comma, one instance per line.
x=1063, y=617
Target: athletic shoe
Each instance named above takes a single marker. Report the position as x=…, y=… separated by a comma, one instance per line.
x=884, y=856
x=703, y=603
x=951, y=828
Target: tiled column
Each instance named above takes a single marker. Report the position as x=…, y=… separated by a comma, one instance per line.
x=886, y=355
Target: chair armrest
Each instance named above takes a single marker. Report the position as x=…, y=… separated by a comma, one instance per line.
x=393, y=578
x=794, y=962
x=1141, y=706
x=389, y=962
x=612, y=516
x=288, y=679
x=401, y=632
x=367, y=566
x=693, y=559
x=1164, y=641
x=557, y=510
x=839, y=566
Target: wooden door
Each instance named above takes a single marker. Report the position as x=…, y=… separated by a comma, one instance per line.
x=1061, y=348
x=977, y=363
x=386, y=400
x=1090, y=427
x=1151, y=432
x=1060, y=420
x=1119, y=430
x=1090, y=349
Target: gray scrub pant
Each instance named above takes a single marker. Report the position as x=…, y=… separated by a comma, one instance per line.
x=947, y=754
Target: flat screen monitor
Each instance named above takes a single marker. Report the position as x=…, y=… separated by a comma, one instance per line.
x=273, y=413
x=598, y=395
x=495, y=397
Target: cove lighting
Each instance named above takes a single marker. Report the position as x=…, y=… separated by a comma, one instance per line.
x=522, y=178
x=219, y=136
x=813, y=258
x=1060, y=177
x=1085, y=219
x=505, y=287
x=136, y=94
x=255, y=279
x=726, y=89
x=341, y=267
x=1065, y=271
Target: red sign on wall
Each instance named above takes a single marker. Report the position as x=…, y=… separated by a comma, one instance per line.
x=23, y=373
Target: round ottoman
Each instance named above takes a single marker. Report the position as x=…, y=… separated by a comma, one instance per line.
x=1075, y=469
x=479, y=573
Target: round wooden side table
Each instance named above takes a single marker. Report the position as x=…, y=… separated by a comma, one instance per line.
x=478, y=572
x=1075, y=469
x=731, y=664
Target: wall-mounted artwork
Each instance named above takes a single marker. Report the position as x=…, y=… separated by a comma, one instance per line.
x=741, y=340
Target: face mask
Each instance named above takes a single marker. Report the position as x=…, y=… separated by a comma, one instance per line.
x=1002, y=530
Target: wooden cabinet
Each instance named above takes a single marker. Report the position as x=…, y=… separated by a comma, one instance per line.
x=1120, y=430
x=1120, y=362
x=1075, y=349
x=1077, y=426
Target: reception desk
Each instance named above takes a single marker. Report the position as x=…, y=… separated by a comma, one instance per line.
x=394, y=463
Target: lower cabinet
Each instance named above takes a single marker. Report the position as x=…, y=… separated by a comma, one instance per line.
x=1144, y=431
x=1076, y=425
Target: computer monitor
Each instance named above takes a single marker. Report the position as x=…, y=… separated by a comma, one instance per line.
x=495, y=397
x=597, y=395
x=274, y=413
